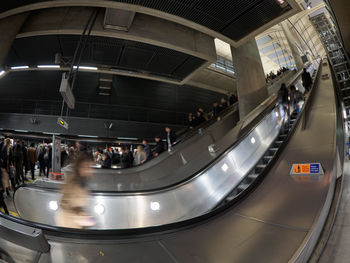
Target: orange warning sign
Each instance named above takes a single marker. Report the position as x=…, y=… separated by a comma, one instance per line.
x=301, y=168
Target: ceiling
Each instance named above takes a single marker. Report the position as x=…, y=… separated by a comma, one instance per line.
x=104, y=52
x=233, y=19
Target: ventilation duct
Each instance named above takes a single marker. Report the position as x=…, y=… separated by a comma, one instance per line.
x=105, y=85
x=118, y=19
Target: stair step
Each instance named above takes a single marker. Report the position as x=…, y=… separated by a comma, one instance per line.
x=268, y=157
x=343, y=71
x=343, y=80
x=341, y=63
x=230, y=198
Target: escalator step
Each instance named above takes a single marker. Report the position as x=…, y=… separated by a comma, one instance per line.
x=273, y=149
x=253, y=176
x=242, y=187
x=261, y=166
x=268, y=157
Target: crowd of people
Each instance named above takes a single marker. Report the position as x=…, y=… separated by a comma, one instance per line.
x=124, y=157
x=17, y=160
x=200, y=116
x=271, y=76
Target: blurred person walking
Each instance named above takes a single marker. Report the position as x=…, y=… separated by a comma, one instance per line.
x=75, y=196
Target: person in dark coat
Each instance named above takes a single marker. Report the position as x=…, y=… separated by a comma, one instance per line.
x=159, y=147
x=283, y=95
x=147, y=149
x=231, y=98
x=170, y=137
x=223, y=103
x=216, y=109
x=41, y=160
x=106, y=161
x=125, y=161
x=191, y=121
x=18, y=160
x=307, y=80
x=199, y=119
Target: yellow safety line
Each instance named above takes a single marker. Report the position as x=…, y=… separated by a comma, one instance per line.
x=11, y=213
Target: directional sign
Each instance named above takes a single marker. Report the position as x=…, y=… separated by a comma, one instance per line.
x=62, y=123
x=306, y=169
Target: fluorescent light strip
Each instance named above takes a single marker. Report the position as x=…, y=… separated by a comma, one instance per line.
x=85, y=67
x=48, y=66
x=19, y=67
x=51, y=133
x=2, y=72
x=89, y=136
x=126, y=138
x=21, y=131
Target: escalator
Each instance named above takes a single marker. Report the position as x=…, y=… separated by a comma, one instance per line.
x=277, y=219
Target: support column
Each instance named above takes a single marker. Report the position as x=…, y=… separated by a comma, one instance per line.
x=9, y=28
x=291, y=42
x=250, y=77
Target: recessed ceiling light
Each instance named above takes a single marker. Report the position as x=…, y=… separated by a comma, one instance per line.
x=252, y=140
x=86, y=67
x=48, y=66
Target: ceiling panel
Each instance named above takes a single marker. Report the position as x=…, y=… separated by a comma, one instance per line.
x=232, y=18
x=106, y=52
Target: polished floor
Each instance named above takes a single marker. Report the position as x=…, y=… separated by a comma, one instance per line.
x=337, y=249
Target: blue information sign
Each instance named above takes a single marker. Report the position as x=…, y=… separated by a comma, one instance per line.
x=314, y=168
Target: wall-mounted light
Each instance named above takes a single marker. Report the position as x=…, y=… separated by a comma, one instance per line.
x=99, y=209
x=155, y=206
x=53, y=205
x=224, y=167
